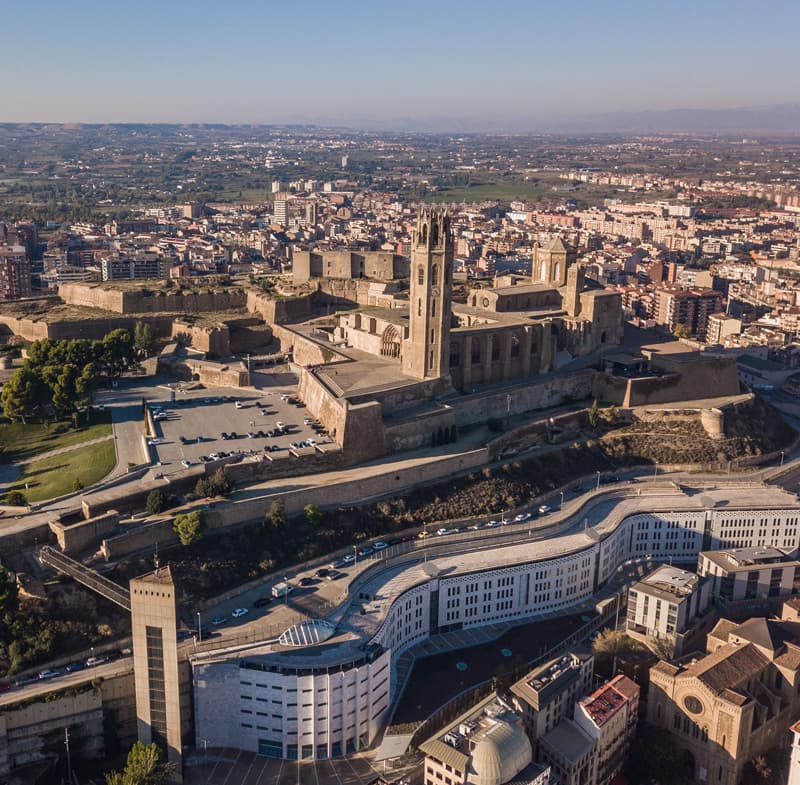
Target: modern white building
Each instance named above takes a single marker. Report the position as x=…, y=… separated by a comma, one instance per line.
x=748, y=573
x=665, y=604
x=332, y=697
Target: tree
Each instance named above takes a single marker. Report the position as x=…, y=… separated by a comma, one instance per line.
x=143, y=338
x=682, y=331
x=313, y=515
x=16, y=499
x=219, y=484
x=594, y=414
x=608, y=643
x=22, y=394
x=77, y=485
x=145, y=766
x=156, y=501
x=277, y=513
x=189, y=527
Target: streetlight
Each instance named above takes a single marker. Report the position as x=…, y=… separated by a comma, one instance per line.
x=655, y=469
x=355, y=555
x=781, y=457
x=598, y=481
x=199, y=628
x=286, y=592
x=562, y=501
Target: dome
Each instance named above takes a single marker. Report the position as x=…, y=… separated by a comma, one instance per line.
x=502, y=754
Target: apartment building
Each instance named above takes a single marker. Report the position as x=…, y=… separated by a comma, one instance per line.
x=138, y=266
x=547, y=695
x=609, y=717
x=15, y=272
x=665, y=603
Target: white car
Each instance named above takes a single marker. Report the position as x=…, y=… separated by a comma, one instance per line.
x=441, y=532
x=348, y=558
x=239, y=612
x=280, y=425
x=186, y=463
x=523, y=516
x=493, y=524
x=379, y=546
x=544, y=509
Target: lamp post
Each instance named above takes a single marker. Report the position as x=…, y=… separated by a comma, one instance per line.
x=598, y=482
x=355, y=555
x=782, y=456
x=562, y=501
x=199, y=628
x=286, y=592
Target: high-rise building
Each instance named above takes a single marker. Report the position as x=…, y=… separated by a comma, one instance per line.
x=155, y=661
x=426, y=353
x=15, y=272
x=280, y=212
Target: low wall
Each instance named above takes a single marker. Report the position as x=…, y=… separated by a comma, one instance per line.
x=220, y=514
x=155, y=300
x=76, y=537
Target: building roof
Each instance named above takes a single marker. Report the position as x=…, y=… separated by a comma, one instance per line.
x=569, y=741
x=163, y=576
x=551, y=678
x=605, y=702
x=740, y=559
x=670, y=583
x=500, y=755
x=728, y=667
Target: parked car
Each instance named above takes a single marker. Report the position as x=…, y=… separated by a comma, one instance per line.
x=239, y=612
x=217, y=620
x=493, y=524
x=224, y=435
x=94, y=661
x=348, y=558
x=186, y=463
x=423, y=534
x=544, y=509
x=322, y=572
x=262, y=601
x=48, y=674
x=75, y=666
x=337, y=564
x=307, y=581
x=238, y=404
x=441, y=532
x=367, y=551
x=334, y=575
x=379, y=545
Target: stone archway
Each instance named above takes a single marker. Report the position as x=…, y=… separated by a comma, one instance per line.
x=390, y=342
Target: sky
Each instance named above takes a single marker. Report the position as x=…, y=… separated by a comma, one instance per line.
x=382, y=64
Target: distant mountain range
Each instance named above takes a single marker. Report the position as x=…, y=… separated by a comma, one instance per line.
x=775, y=120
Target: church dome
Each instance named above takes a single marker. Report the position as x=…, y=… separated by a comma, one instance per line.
x=500, y=755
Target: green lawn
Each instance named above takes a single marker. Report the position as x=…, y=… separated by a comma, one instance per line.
x=19, y=442
x=55, y=476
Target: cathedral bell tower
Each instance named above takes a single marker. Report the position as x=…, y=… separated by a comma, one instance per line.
x=426, y=351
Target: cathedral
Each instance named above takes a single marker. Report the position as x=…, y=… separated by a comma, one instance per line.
x=517, y=329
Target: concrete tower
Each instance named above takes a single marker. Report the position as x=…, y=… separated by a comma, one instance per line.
x=155, y=661
x=426, y=351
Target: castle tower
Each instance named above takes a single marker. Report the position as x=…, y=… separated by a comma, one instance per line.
x=550, y=262
x=155, y=661
x=426, y=351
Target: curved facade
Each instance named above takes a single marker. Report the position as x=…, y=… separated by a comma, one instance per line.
x=338, y=704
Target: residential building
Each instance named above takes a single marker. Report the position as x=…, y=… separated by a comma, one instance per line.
x=15, y=272
x=547, y=695
x=735, y=702
x=750, y=573
x=570, y=753
x=138, y=266
x=486, y=745
x=609, y=717
x=665, y=603
x=720, y=326
x=675, y=306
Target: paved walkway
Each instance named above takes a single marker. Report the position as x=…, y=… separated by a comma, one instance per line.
x=61, y=450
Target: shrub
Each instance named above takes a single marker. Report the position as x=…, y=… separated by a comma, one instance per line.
x=189, y=527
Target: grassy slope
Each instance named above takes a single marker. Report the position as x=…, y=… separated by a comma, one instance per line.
x=55, y=476
x=21, y=442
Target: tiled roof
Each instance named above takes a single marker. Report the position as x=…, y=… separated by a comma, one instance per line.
x=728, y=667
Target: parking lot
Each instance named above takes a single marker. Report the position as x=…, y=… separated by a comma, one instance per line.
x=203, y=423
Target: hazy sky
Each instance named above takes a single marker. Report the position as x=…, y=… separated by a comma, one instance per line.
x=369, y=63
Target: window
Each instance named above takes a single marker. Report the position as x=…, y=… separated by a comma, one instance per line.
x=434, y=275
x=420, y=276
